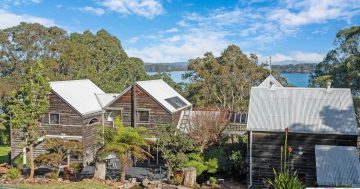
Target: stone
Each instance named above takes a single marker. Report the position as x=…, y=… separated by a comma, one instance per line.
x=100, y=170
x=145, y=182
x=132, y=180
x=189, y=177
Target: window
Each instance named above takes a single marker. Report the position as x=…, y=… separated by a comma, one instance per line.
x=143, y=115
x=113, y=114
x=93, y=121
x=175, y=102
x=54, y=119
x=243, y=118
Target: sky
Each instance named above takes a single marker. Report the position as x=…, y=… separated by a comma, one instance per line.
x=179, y=30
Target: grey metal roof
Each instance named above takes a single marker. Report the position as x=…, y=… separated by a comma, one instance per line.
x=80, y=94
x=337, y=166
x=105, y=99
x=303, y=110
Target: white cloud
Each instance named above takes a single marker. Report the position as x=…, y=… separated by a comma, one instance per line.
x=8, y=19
x=92, y=10
x=133, y=39
x=182, y=47
x=145, y=8
x=310, y=57
x=172, y=30
x=298, y=13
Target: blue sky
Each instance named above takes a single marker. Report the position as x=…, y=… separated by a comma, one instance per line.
x=178, y=30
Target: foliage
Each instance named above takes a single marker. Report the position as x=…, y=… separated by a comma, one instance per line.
x=27, y=106
x=341, y=66
x=223, y=81
x=125, y=142
x=206, y=127
x=58, y=151
x=177, y=180
x=212, y=181
x=197, y=161
x=284, y=179
x=13, y=173
x=55, y=185
x=75, y=167
x=238, y=161
x=4, y=150
x=99, y=57
x=174, y=145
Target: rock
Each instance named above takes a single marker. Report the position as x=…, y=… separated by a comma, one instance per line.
x=132, y=180
x=189, y=177
x=145, y=182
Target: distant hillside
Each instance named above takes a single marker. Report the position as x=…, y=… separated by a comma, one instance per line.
x=165, y=67
x=296, y=68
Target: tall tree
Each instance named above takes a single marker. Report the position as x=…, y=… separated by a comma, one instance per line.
x=224, y=81
x=341, y=66
x=125, y=142
x=27, y=106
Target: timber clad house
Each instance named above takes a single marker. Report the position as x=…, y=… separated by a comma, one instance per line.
x=323, y=134
x=78, y=107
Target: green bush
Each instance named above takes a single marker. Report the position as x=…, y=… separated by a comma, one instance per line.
x=212, y=181
x=52, y=175
x=177, y=180
x=201, y=166
x=13, y=173
x=285, y=180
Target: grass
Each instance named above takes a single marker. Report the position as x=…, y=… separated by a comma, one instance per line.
x=4, y=150
x=56, y=185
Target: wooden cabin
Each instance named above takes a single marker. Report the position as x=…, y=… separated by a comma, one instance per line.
x=75, y=113
x=148, y=104
x=315, y=117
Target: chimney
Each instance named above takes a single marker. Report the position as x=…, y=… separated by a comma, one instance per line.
x=328, y=85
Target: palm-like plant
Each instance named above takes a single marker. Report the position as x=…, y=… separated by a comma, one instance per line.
x=283, y=178
x=124, y=142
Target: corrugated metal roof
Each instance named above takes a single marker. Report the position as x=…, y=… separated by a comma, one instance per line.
x=80, y=94
x=270, y=81
x=105, y=99
x=337, y=166
x=160, y=91
x=303, y=110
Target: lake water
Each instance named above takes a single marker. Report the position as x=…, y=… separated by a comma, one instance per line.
x=296, y=79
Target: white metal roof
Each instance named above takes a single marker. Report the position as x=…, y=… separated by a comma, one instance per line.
x=105, y=99
x=160, y=91
x=303, y=110
x=270, y=81
x=337, y=166
x=80, y=94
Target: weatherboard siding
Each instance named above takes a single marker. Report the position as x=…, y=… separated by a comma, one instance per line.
x=266, y=153
x=158, y=115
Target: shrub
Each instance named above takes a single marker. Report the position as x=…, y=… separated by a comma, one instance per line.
x=13, y=173
x=52, y=175
x=177, y=180
x=212, y=181
x=75, y=167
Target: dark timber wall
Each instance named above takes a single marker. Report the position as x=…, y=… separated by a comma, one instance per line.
x=158, y=114
x=71, y=123
x=266, y=154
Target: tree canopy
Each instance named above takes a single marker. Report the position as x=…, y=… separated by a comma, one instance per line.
x=224, y=81
x=341, y=66
x=99, y=57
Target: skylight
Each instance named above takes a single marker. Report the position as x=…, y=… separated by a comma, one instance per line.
x=175, y=102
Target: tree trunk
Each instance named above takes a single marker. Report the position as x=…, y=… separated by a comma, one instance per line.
x=100, y=170
x=122, y=174
x=32, y=166
x=169, y=172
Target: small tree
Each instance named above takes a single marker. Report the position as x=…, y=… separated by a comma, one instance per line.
x=27, y=106
x=58, y=152
x=173, y=145
x=206, y=126
x=124, y=142
x=284, y=179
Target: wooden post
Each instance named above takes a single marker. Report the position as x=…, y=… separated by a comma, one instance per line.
x=149, y=153
x=100, y=170
x=134, y=103
x=189, y=177
x=157, y=155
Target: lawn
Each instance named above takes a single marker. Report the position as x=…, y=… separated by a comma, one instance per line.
x=56, y=185
x=4, y=150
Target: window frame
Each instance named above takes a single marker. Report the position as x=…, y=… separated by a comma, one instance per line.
x=98, y=121
x=138, y=115
x=49, y=118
